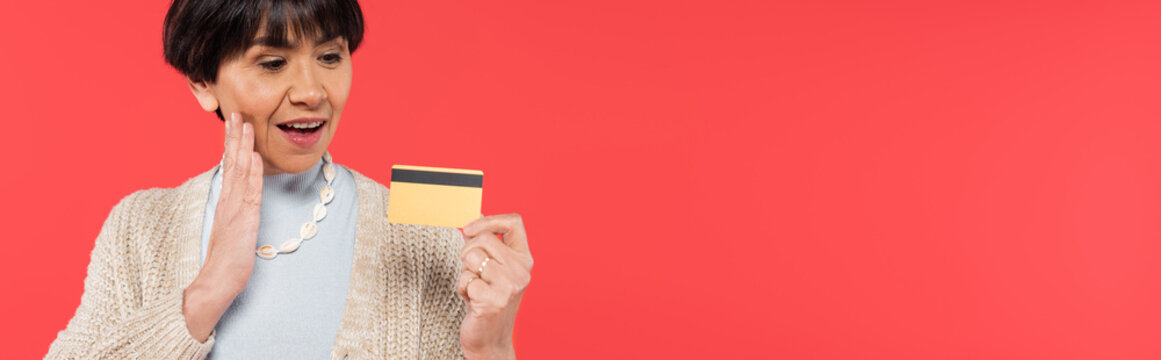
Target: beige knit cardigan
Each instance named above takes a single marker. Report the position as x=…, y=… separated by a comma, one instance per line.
x=401, y=303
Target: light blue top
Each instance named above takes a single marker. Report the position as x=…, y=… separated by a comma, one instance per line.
x=292, y=306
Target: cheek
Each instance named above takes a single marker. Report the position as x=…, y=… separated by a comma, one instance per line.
x=251, y=94
x=339, y=87
x=259, y=99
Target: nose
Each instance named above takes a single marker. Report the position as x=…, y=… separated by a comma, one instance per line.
x=306, y=89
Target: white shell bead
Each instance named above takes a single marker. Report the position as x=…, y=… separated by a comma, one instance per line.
x=290, y=245
x=267, y=252
x=308, y=230
x=320, y=212
x=329, y=173
x=326, y=194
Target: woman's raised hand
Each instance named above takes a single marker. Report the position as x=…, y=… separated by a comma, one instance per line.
x=230, y=256
x=235, y=233
x=493, y=278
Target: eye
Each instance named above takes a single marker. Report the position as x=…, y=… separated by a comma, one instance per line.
x=331, y=58
x=273, y=65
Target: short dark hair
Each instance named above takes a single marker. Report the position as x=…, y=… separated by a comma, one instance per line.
x=199, y=34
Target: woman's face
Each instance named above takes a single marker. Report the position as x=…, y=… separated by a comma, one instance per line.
x=293, y=94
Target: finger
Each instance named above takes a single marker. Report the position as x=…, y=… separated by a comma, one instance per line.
x=497, y=249
x=254, y=183
x=504, y=279
x=465, y=279
x=475, y=289
x=513, y=274
x=226, y=127
x=245, y=148
x=472, y=243
x=488, y=299
x=510, y=226
x=233, y=136
x=474, y=261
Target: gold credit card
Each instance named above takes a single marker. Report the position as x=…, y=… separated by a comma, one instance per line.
x=434, y=196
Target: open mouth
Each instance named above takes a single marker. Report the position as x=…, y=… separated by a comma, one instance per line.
x=302, y=128
x=303, y=133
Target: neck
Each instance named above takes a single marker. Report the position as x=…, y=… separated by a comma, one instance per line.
x=305, y=182
x=269, y=169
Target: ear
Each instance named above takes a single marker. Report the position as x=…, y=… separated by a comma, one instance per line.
x=204, y=93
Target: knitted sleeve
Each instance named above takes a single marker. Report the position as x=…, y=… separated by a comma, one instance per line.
x=442, y=309
x=115, y=320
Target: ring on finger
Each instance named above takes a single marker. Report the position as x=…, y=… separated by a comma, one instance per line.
x=480, y=271
x=470, y=281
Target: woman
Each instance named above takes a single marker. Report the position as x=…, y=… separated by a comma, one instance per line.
x=277, y=252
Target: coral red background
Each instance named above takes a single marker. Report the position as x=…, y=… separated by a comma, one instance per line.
x=700, y=179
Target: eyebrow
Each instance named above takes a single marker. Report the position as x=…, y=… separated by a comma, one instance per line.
x=282, y=43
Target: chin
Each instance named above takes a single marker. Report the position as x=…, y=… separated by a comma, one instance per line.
x=295, y=164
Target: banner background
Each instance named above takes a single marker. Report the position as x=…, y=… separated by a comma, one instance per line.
x=731, y=179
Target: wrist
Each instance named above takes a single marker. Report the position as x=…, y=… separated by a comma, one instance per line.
x=202, y=307
x=205, y=300
x=221, y=279
x=503, y=351
x=212, y=289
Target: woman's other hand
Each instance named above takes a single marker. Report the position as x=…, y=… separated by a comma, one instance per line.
x=493, y=279
x=230, y=256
